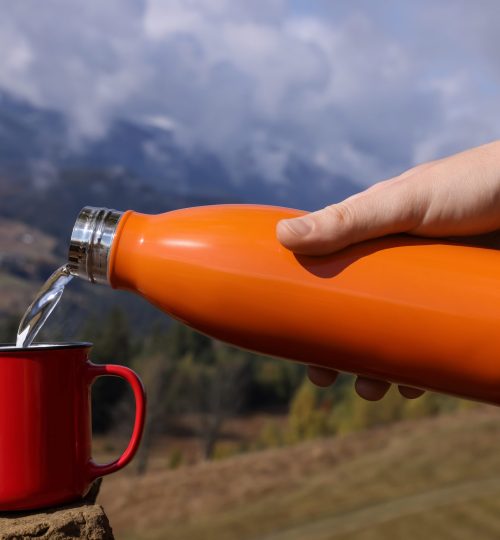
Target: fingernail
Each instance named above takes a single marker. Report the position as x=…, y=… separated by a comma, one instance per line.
x=299, y=226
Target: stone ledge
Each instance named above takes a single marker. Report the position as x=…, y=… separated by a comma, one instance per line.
x=84, y=519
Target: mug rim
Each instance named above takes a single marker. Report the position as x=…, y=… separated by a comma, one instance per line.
x=38, y=347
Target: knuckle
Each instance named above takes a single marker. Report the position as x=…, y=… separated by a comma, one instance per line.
x=342, y=213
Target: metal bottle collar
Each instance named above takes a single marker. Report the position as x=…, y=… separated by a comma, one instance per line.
x=91, y=242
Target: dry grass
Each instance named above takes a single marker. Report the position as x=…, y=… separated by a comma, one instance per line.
x=437, y=478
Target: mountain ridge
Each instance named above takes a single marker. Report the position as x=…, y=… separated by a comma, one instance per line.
x=37, y=147
x=47, y=176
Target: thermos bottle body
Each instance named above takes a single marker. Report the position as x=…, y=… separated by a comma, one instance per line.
x=413, y=311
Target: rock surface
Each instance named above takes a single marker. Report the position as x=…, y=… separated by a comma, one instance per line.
x=84, y=519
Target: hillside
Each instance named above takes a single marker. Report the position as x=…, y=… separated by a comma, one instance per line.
x=26, y=258
x=433, y=478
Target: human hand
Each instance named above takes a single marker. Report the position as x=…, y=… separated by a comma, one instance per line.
x=455, y=196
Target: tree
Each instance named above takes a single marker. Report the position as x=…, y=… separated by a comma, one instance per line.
x=182, y=340
x=112, y=344
x=8, y=328
x=215, y=383
x=309, y=417
x=355, y=413
x=270, y=436
x=430, y=404
x=273, y=381
x=159, y=372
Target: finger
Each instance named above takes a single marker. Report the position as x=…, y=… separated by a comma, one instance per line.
x=371, y=389
x=409, y=392
x=419, y=168
x=392, y=206
x=321, y=376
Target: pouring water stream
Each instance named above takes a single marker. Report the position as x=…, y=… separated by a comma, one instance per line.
x=42, y=306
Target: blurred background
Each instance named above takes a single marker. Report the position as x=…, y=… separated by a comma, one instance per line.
x=161, y=104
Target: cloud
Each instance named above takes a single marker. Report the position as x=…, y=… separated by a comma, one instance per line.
x=357, y=88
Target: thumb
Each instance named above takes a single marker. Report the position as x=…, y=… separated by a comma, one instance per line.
x=389, y=207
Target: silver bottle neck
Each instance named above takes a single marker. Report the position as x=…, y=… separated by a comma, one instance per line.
x=90, y=244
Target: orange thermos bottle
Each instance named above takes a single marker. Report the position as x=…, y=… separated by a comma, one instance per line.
x=414, y=311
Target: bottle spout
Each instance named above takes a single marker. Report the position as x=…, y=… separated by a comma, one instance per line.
x=91, y=242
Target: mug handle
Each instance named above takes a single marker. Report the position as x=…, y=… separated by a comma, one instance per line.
x=95, y=470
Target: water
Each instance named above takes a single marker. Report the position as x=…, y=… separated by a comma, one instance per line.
x=42, y=306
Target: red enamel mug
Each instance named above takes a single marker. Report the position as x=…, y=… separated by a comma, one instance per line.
x=45, y=424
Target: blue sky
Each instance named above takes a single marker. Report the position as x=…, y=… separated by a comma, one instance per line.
x=361, y=88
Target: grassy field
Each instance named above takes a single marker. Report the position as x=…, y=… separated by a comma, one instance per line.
x=433, y=478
